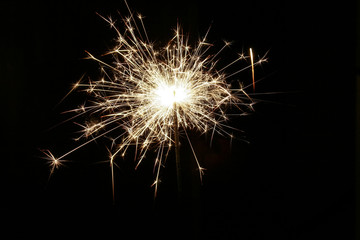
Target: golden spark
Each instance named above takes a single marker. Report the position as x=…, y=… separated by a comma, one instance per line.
x=148, y=94
x=54, y=162
x=252, y=68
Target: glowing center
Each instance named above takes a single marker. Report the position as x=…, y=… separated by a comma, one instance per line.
x=168, y=95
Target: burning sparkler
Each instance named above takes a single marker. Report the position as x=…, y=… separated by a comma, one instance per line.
x=150, y=95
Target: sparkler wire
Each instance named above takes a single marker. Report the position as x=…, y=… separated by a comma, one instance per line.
x=177, y=153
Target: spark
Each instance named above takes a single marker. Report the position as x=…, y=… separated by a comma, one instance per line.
x=54, y=163
x=252, y=68
x=146, y=89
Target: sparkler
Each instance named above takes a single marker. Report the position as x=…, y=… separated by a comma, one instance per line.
x=149, y=96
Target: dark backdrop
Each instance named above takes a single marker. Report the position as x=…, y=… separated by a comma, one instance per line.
x=295, y=179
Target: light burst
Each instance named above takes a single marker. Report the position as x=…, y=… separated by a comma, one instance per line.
x=54, y=163
x=148, y=95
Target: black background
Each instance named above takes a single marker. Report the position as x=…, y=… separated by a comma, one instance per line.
x=295, y=179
